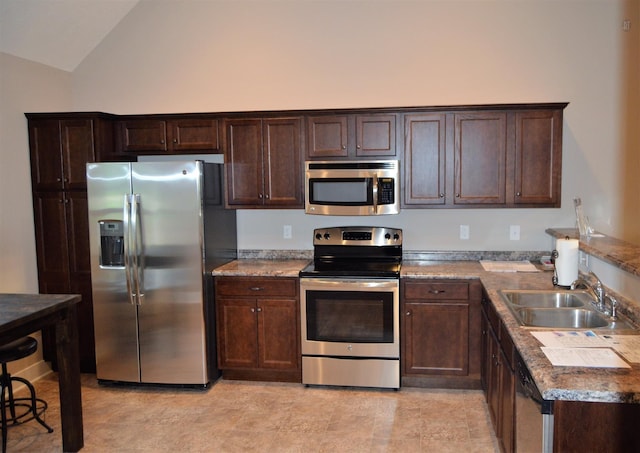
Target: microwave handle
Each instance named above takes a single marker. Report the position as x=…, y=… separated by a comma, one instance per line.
x=375, y=193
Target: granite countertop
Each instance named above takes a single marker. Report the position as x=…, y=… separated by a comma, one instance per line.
x=554, y=382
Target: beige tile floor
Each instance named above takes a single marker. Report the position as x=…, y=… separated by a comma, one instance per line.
x=240, y=416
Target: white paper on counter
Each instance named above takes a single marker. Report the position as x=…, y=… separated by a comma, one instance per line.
x=508, y=266
x=626, y=345
x=571, y=339
x=585, y=357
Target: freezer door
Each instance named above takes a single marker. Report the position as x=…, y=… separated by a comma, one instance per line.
x=171, y=313
x=115, y=321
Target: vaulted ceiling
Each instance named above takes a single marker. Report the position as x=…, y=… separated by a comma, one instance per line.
x=58, y=33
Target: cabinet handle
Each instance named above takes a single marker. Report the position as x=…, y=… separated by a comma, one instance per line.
x=436, y=291
x=59, y=179
x=260, y=196
x=408, y=313
x=344, y=146
x=258, y=309
x=457, y=195
x=358, y=146
x=253, y=310
x=256, y=288
x=518, y=194
x=267, y=196
x=162, y=142
x=441, y=195
x=175, y=140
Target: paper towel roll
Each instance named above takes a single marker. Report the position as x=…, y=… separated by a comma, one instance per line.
x=567, y=261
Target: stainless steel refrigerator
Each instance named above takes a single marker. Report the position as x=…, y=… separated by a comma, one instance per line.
x=157, y=229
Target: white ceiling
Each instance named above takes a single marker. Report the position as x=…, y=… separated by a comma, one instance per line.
x=58, y=33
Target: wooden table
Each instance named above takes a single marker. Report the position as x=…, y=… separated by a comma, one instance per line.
x=23, y=314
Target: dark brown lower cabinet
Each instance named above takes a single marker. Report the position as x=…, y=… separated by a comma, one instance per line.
x=498, y=375
x=257, y=327
x=439, y=319
x=62, y=244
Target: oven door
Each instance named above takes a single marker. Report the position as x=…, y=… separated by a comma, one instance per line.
x=346, y=317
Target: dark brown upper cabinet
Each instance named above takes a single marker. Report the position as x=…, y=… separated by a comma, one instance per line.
x=172, y=136
x=480, y=158
x=61, y=145
x=354, y=136
x=538, y=157
x=263, y=161
x=503, y=157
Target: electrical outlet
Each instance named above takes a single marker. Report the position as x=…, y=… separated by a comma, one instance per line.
x=287, y=232
x=514, y=232
x=464, y=232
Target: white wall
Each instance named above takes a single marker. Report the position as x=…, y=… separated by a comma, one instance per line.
x=191, y=56
x=24, y=87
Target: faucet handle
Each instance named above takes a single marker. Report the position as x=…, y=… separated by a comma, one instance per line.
x=614, y=306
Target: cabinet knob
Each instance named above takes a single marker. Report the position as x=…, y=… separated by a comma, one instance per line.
x=441, y=195
x=457, y=195
x=358, y=146
x=162, y=142
x=258, y=309
x=175, y=140
x=260, y=196
x=344, y=146
x=59, y=179
x=253, y=310
x=518, y=194
x=256, y=288
x=408, y=313
x=267, y=196
x=436, y=291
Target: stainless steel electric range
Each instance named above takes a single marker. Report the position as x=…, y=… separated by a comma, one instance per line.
x=350, y=308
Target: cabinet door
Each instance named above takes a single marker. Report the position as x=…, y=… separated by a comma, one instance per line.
x=493, y=380
x=142, y=135
x=278, y=333
x=480, y=149
x=327, y=136
x=282, y=151
x=237, y=338
x=437, y=338
x=193, y=135
x=46, y=152
x=375, y=135
x=424, y=159
x=507, y=403
x=78, y=148
x=538, y=157
x=244, y=162
x=51, y=242
x=80, y=274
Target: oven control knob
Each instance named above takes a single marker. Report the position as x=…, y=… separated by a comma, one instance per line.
x=327, y=236
x=387, y=236
x=318, y=236
x=396, y=236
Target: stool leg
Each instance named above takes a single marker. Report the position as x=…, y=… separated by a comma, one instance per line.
x=33, y=402
x=4, y=378
x=4, y=414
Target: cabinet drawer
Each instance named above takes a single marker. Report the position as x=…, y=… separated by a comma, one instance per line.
x=256, y=287
x=436, y=290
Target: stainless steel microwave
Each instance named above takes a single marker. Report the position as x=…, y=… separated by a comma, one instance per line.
x=352, y=187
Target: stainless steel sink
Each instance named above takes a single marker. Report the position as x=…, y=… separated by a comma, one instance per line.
x=548, y=299
x=558, y=309
x=562, y=318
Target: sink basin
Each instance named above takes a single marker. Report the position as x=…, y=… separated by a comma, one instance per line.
x=562, y=318
x=558, y=309
x=548, y=299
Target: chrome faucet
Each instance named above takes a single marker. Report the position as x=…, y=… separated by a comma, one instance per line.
x=593, y=285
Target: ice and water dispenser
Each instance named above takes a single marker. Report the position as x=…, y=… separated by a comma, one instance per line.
x=111, y=243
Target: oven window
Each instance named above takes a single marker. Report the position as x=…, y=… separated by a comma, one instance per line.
x=340, y=191
x=349, y=316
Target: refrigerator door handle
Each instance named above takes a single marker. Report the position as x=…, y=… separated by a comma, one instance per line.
x=127, y=248
x=137, y=254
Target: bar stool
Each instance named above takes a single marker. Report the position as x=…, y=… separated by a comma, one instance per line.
x=21, y=410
